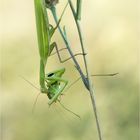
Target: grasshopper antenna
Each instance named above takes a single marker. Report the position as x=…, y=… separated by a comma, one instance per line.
x=35, y=102
x=29, y=83
x=110, y=74
x=72, y=84
x=69, y=110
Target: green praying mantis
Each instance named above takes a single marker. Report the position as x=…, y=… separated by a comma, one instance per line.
x=52, y=83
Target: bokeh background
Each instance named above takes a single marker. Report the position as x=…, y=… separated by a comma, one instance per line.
x=110, y=30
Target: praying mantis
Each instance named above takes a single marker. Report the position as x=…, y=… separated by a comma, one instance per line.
x=52, y=83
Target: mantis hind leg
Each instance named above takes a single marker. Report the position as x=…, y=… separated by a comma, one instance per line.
x=59, y=56
x=63, y=49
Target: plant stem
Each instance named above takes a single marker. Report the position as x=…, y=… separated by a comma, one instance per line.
x=64, y=36
x=87, y=72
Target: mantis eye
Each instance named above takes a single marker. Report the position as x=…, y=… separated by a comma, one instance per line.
x=51, y=74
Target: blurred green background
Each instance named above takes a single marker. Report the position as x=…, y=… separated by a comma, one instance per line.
x=110, y=31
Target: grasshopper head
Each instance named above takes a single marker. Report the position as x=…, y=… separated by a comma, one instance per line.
x=53, y=78
x=57, y=73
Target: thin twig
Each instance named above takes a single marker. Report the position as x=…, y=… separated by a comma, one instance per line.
x=87, y=73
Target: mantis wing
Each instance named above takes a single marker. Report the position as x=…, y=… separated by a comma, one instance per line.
x=42, y=25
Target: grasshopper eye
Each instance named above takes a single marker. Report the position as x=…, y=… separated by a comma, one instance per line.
x=51, y=74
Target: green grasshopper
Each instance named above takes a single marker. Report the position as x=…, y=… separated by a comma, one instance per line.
x=52, y=83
